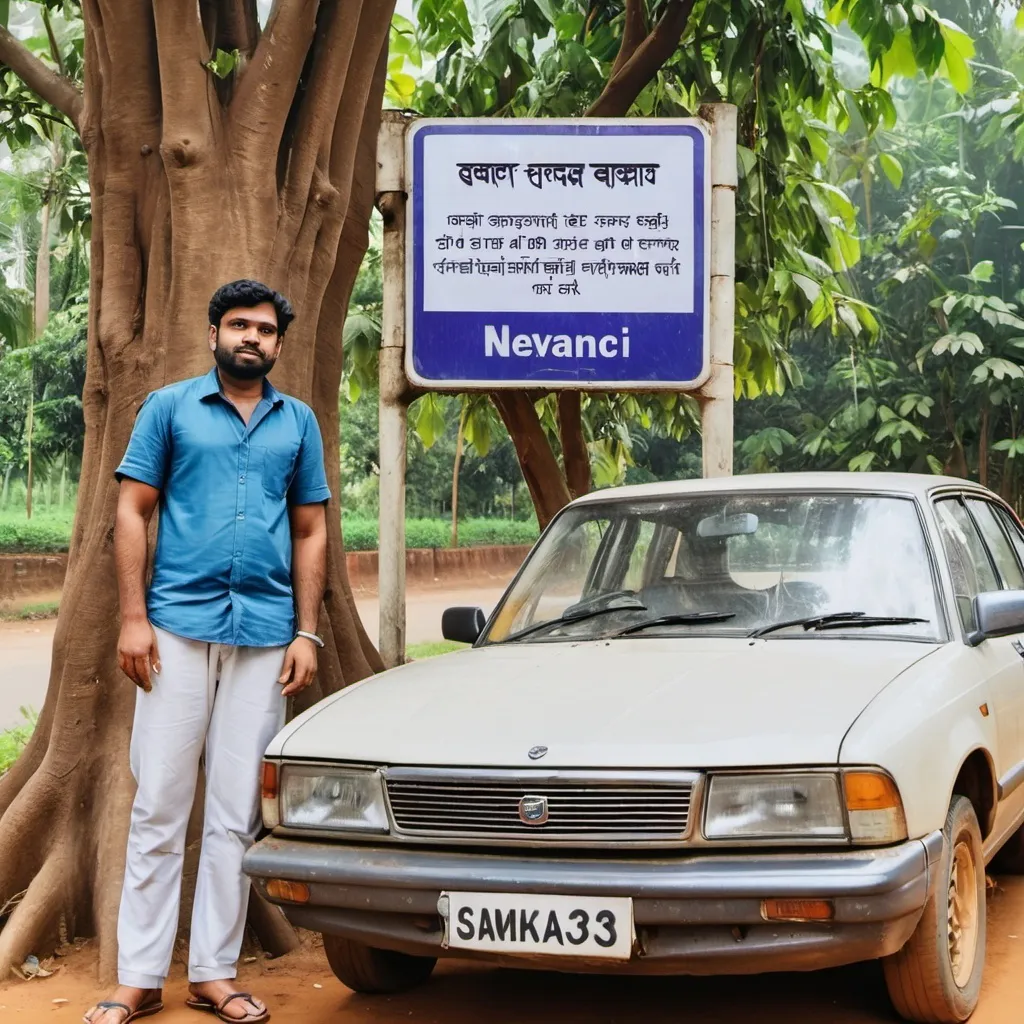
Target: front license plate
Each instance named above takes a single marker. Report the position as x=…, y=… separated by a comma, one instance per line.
x=580, y=926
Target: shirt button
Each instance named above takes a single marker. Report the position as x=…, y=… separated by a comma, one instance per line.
x=241, y=515
x=241, y=479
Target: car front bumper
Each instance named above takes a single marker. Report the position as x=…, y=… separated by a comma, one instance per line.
x=694, y=914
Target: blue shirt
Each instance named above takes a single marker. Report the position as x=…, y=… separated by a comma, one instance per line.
x=222, y=567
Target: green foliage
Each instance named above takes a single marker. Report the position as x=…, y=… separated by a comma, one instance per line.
x=13, y=741
x=361, y=534
x=50, y=374
x=222, y=63
x=940, y=386
x=44, y=533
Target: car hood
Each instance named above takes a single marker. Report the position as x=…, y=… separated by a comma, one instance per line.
x=657, y=702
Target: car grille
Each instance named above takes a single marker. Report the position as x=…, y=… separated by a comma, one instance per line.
x=613, y=807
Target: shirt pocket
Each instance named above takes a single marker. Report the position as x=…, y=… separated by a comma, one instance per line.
x=278, y=471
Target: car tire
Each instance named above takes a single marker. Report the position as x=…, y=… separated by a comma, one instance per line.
x=936, y=976
x=373, y=971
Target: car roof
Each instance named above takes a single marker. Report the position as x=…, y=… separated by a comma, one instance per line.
x=918, y=485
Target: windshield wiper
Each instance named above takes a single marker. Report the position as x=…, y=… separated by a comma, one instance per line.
x=838, y=620
x=618, y=602
x=679, y=619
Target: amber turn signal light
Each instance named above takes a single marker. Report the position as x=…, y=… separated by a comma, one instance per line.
x=874, y=807
x=797, y=910
x=293, y=892
x=269, y=781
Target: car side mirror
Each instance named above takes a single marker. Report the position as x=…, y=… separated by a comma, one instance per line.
x=463, y=625
x=997, y=613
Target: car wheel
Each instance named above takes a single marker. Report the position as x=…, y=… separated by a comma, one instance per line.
x=936, y=976
x=375, y=971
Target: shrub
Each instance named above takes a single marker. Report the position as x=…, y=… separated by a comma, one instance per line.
x=47, y=533
x=361, y=533
x=12, y=741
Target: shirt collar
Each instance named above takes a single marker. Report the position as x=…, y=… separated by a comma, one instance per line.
x=210, y=386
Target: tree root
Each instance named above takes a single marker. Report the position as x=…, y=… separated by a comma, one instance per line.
x=35, y=922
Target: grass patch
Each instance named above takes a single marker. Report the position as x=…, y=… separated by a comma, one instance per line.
x=433, y=649
x=30, y=612
x=12, y=741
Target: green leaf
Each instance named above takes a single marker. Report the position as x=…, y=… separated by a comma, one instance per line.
x=223, y=63
x=982, y=271
x=1019, y=20
x=892, y=169
x=428, y=419
x=958, y=49
x=810, y=288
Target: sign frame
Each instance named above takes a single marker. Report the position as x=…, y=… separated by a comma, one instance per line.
x=703, y=191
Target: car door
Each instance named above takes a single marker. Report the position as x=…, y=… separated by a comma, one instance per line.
x=1003, y=537
x=980, y=560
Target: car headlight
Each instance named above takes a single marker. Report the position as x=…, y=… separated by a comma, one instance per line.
x=332, y=798
x=797, y=806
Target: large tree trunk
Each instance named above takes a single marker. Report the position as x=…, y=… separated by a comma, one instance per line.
x=188, y=191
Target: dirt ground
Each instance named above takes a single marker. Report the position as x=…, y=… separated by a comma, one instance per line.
x=300, y=989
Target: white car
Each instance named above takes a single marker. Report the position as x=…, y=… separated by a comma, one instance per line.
x=722, y=726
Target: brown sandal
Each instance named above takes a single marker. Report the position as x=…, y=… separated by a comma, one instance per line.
x=144, y=1010
x=205, y=1005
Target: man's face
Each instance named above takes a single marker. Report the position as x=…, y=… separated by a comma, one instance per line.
x=247, y=344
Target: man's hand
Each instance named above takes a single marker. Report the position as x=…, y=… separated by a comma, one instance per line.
x=137, y=653
x=299, y=666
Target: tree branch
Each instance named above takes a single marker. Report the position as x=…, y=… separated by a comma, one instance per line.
x=348, y=46
x=55, y=89
x=536, y=459
x=265, y=94
x=634, y=32
x=575, y=456
x=185, y=84
x=633, y=76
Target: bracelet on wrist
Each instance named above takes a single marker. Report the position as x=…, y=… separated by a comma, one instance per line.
x=310, y=636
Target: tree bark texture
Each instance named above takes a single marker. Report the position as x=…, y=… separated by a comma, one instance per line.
x=192, y=185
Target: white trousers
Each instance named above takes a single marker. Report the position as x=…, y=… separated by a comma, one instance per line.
x=228, y=698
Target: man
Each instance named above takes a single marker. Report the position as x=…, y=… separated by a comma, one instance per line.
x=226, y=632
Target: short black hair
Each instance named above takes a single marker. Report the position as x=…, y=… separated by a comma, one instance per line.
x=247, y=294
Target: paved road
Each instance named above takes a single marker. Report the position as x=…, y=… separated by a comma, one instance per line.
x=25, y=646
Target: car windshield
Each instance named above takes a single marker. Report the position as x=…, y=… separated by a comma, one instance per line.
x=726, y=565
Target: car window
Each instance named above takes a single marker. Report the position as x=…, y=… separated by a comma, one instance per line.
x=1012, y=530
x=730, y=563
x=969, y=564
x=984, y=513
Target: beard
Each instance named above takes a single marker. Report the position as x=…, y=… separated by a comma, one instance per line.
x=234, y=364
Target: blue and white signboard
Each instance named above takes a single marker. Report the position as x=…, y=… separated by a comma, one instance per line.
x=558, y=254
